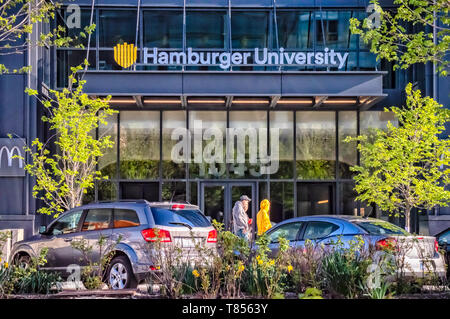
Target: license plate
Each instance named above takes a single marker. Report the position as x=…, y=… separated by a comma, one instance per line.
x=188, y=242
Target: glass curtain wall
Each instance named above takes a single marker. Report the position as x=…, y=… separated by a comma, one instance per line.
x=214, y=29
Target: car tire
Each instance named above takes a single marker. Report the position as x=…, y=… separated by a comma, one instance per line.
x=120, y=274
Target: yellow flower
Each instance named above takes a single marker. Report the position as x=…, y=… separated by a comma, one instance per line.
x=241, y=268
x=195, y=273
x=6, y=265
x=258, y=257
x=290, y=268
x=272, y=262
x=260, y=262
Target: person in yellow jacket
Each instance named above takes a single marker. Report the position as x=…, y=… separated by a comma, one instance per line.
x=262, y=219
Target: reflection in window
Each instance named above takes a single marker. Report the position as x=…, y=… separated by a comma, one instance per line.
x=281, y=201
x=347, y=151
x=171, y=121
x=284, y=121
x=315, y=199
x=249, y=30
x=74, y=33
x=174, y=191
x=367, y=61
x=288, y=231
x=316, y=145
x=294, y=29
x=97, y=219
x=163, y=29
x=71, y=58
x=371, y=120
x=107, y=162
x=347, y=194
x=206, y=29
x=139, y=144
x=333, y=29
x=117, y=26
x=214, y=124
x=246, y=125
x=107, y=190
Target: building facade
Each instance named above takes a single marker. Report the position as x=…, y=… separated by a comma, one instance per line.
x=217, y=99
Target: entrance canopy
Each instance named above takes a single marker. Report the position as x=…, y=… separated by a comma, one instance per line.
x=357, y=89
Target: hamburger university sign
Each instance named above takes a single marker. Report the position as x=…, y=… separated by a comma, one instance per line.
x=327, y=57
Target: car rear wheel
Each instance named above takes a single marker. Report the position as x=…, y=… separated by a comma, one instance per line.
x=23, y=261
x=120, y=274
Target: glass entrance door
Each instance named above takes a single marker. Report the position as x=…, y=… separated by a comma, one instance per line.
x=218, y=198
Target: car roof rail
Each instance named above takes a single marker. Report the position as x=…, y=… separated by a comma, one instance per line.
x=140, y=201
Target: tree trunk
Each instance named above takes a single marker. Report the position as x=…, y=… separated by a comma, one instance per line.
x=408, y=218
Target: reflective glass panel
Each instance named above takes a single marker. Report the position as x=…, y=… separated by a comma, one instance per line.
x=117, y=26
x=163, y=29
x=174, y=120
x=316, y=145
x=347, y=150
x=107, y=163
x=206, y=29
x=245, y=127
x=249, y=30
x=208, y=132
x=294, y=29
x=281, y=201
x=139, y=144
x=284, y=122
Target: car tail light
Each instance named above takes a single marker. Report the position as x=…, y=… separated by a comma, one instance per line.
x=212, y=236
x=386, y=244
x=178, y=206
x=436, y=245
x=155, y=234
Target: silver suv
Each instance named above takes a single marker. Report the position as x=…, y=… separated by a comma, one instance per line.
x=128, y=227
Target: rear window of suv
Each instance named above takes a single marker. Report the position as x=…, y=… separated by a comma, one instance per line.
x=380, y=228
x=171, y=217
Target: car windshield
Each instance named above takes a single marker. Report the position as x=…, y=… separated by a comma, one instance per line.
x=380, y=227
x=176, y=218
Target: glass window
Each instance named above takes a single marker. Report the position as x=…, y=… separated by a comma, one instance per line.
x=315, y=199
x=74, y=32
x=333, y=29
x=294, y=29
x=213, y=126
x=139, y=144
x=281, y=201
x=288, y=231
x=317, y=230
x=66, y=224
x=174, y=191
x=316, y=145
x=348, y=205
x=125, y=218
x=284, y=121
x=71, y=58
x=145, y=190
x=372, y=120
x=163, y=29
x=444, y=238
x=206, y=29
x=367, y=61
x=347, y=151
x=244, y=130
x=176, y=218
x=97, y=219
x=380, y=227
x=107, y=190
x=249, y=30
x=174, y=120
x=107, y=163
x=117, y=26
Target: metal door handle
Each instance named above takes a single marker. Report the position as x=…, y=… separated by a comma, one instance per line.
x=68, y=239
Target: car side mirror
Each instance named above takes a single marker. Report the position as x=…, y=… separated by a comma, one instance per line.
x=43, y=230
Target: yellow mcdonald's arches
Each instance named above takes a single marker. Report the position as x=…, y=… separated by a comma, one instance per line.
x=125, y=54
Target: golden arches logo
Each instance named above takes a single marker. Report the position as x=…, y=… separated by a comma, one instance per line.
x=125, y=54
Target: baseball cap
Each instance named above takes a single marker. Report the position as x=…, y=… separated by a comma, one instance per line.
x=245, y=197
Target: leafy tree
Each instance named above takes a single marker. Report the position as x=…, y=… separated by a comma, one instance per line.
x=64, y=177
x=403, y=35
x=406, y=167
x=19, y=20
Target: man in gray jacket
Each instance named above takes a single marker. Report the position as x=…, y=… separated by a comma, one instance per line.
x=241, y=226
